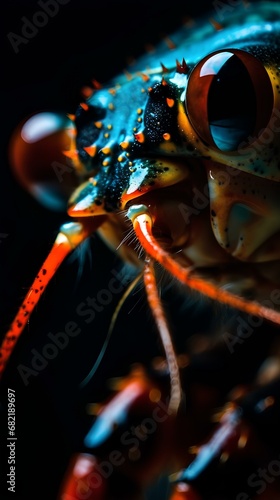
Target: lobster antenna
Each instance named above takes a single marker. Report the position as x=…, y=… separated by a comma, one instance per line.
x=69, y=237
x=162, y=325
x=123, y=298
x=142, y=222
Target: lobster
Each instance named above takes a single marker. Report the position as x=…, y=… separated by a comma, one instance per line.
x=174, y=165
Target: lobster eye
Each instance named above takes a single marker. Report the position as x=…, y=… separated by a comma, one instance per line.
x=229, y=98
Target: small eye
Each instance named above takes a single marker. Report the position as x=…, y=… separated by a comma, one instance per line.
x=229, y=98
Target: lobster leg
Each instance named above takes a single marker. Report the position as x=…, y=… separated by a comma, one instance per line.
x=240, y=435
x=69, y=237
x=160, y=319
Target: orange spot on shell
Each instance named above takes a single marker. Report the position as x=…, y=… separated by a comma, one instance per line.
x=91, y=150
x=124, y=144
x=139, y=136
x=98, y=124
x=166, y=136
x=170, y=102
x=84, y=106
x=106, y=150
x=93, y=181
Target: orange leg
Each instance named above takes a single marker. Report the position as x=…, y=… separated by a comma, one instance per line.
x=70, y=236
x=161, y=322
x=142, y=223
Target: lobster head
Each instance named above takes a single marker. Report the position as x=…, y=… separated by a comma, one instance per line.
x=195, y=140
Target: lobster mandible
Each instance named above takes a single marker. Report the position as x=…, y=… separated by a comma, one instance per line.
x=189, y=169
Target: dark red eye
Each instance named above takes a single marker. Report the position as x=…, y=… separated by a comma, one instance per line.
x=229, y=98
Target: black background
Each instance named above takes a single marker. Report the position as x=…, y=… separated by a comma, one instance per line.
x=86, y=39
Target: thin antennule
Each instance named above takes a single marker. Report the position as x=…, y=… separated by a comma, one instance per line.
x=69, y=237
x=161, y=322
x=142, y=222
x=127, y=292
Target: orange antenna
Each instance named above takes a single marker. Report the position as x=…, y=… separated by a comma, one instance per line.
x=69, y=237
x=163, y=329
x=142, y=223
